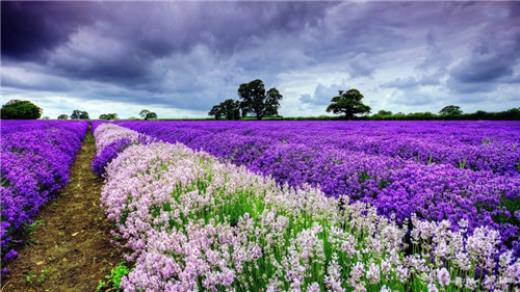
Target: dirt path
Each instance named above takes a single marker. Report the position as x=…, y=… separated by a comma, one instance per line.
x=71, y=249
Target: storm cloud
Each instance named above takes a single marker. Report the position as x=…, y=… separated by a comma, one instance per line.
x=182, y=57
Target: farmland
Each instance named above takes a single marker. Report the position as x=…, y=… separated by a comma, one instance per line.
x=260, y=146
x=438, y=171
x=35, y=161
x=284, y=205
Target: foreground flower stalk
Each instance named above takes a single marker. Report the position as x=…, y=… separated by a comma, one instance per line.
x=192, y=222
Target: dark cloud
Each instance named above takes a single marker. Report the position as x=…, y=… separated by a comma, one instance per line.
x=127, y=38
x=31, y=29
x=157, y=28
x=189, y=55
x=493, y=58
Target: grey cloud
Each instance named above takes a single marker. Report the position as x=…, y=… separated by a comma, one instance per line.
x=191, y=55
x=413, y=98
x=361, y=66
x=411, y=82
x=322, y=94
x=492, y=59
x=30, y=30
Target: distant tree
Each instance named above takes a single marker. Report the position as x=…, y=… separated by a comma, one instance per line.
x=110, y=116
x=229, y=109
x=84, y=115
x=510, y=114
x=348, y=103
x=63, y=117
x=143, y=113
x=216, y=111
x=450, y=111
x=147, y=115
x=255, y=100
x=75, y=114
x=151, y=116
x=480, y=114
x=79, y=115
x=46, y=118
x=384, y=113
x=272, y=102
x=420, y=116
x=20, y=109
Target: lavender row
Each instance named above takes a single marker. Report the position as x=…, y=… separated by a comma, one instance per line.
x=110, y=141
x=12, y=126
x=192, y=223
x=396, y=187
x=35, y=161
x=494, y=148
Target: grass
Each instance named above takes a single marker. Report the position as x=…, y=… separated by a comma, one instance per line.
x=112, y=281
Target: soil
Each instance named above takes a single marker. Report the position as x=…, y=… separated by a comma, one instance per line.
x=71, y=249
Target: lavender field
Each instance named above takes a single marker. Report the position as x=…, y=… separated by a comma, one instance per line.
x=35, y=161
x=436, y=170
x=314, y=205
x=263, y=146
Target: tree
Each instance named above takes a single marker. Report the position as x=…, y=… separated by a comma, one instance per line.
x=20, y=109
x=79, y=115
x=151, y=116
x=143, y=113
x=348, y=103
x=147, y=115
x=63, y=117
x=450, y=111
x=110, y=116
x=272, y=102
x=384, y=113
x=229, y=108
x=255, y=100
x=216, y=111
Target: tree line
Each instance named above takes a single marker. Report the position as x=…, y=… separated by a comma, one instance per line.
x=447, y=113
x=253, y=99
x=256, y=102
x=348, y=104
x=26, y=110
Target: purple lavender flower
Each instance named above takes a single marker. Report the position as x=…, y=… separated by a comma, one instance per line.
x=35, y=159
x=108, y=154
x=437, y=170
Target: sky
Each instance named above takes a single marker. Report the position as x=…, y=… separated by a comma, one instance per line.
x=180, y=58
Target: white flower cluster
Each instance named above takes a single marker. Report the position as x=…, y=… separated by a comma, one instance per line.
x=106, y=133
x=194, y=223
